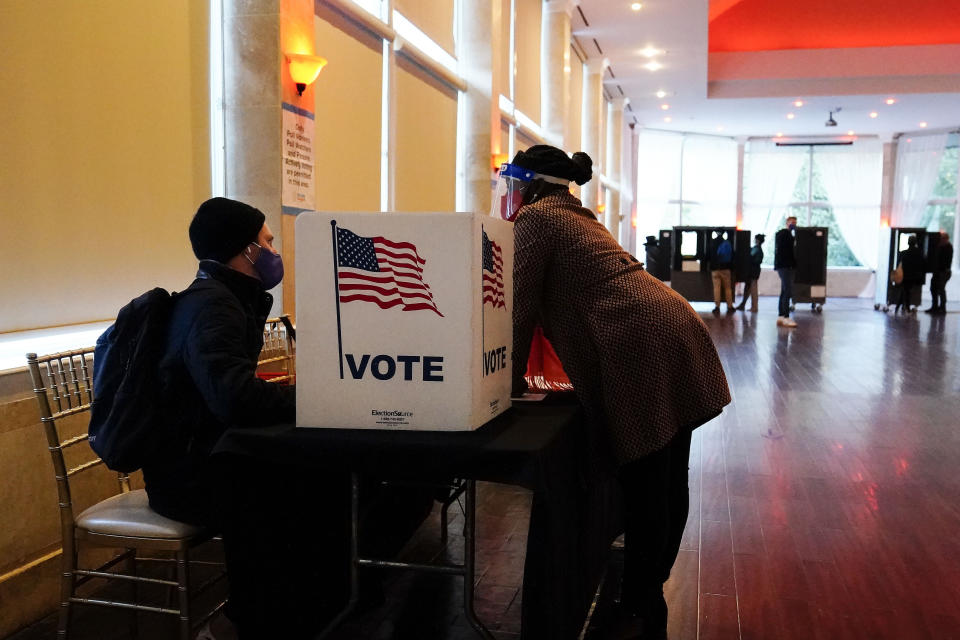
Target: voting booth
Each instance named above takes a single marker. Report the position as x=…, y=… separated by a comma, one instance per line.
x=404, y=320
x=691, y=248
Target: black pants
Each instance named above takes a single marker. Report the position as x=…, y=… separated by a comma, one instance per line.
x=656, y=503
x=938, y=289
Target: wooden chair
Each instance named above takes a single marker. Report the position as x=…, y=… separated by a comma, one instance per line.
x=63, y=385
x=278, y=358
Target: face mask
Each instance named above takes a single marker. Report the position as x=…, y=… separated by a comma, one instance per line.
x=792, y=226
x=268, y=265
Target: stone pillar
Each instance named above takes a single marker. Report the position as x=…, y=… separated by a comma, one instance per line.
x=555, y=68
x=614, y=217
x=476, y=55
x=592, y=125
x=257, y=83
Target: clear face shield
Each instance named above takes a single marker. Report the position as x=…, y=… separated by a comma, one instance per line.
x=511, y=187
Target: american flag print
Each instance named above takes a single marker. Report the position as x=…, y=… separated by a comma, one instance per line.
x=386, y=273
x=492, y=273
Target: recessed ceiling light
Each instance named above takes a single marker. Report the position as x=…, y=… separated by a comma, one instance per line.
x=650, y=52
x=664, y=106
x=923, y=125
x=636, y=6
x=850, y=133
x=874, y=114
x=668, y=119
x=779, y=134
x=720, y=128
x=653, y=65
x=890, y=100
x=798, y=103
x=790, y=116
x=661, y=94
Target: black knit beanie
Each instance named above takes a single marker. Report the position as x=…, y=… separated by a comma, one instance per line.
x=222, y=228
x=550, y=161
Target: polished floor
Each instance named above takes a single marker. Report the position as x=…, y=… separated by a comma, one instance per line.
x=825, y=500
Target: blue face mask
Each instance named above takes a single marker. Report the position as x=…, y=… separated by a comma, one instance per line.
x=268, y=265
x=792, y=226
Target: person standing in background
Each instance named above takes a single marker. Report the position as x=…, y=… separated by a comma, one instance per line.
x=941, y=263
x=785, y=263
x=751, y=286
x=911, y=261
x=721, y=263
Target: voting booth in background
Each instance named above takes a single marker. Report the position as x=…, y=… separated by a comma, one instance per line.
x=810, y=282
x=893, y=240
x=404, y=320
x=691, y=248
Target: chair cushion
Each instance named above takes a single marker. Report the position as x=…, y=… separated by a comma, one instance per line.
x=129, y=514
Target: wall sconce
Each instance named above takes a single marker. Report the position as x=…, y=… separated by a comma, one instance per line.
x=499, y=159
x=304, y=69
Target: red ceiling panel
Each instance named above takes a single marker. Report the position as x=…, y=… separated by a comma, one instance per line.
x=760, y=25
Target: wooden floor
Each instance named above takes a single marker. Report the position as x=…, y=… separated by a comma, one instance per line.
x=825, y=500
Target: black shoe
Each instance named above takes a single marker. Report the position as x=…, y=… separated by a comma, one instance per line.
x=939, y=311
x=930, y=310
x=731, y=310
x=716, y=311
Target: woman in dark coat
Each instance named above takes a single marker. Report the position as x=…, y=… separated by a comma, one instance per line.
x=641, y=361
x=911, y=260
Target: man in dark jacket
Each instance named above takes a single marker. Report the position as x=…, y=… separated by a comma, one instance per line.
x=209, y=367
x=942, y=261
x=721, y=265
x=209, y=375
x=752, y=285
x=785, y=264
x=911, y=261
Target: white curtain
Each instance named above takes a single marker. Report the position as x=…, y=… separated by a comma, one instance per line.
x=710, y=180
x=853, y=178
x=918, y=166
x=658, y=182
x=769, y=176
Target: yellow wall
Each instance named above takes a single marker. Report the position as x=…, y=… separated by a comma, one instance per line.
x=105, y=153
x=348, y=115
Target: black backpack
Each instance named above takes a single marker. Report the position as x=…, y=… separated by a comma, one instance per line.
x=126, y=417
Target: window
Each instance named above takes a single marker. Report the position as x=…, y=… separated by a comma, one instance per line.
x=685, y=180
x=837, y=187
x=941, y=211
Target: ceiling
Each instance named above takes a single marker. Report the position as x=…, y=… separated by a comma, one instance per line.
x=737, y=67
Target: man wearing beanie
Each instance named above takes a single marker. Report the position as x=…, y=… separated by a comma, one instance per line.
x=641, y=361
x=209, y=364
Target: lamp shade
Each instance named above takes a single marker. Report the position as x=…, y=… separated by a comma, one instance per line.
x=305, y=68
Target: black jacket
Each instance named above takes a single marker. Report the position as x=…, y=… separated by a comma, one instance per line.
x=208, y=372
x=942, y=258
x=912, y=262
x=756, y=261
x=783, y=253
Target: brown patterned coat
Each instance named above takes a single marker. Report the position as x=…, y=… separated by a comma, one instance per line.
x=641, y=360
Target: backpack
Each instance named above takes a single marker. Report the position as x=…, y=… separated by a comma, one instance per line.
x=126, y=415
x=724, y=253
x=897, y=275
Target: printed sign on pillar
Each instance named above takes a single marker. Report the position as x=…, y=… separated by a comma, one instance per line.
x=404, y=321
x=298, y=181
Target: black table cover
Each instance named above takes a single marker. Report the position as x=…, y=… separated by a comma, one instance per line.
x=575, y=513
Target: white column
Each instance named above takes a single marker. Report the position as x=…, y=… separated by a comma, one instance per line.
x=886, y=185
x=476, y=65
x=614, y=216
x=592, y=125
x=555, y=68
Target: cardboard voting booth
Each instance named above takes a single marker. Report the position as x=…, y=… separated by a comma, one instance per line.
x=404, y=320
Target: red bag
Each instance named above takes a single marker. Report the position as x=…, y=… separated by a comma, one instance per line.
x=544, y=371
